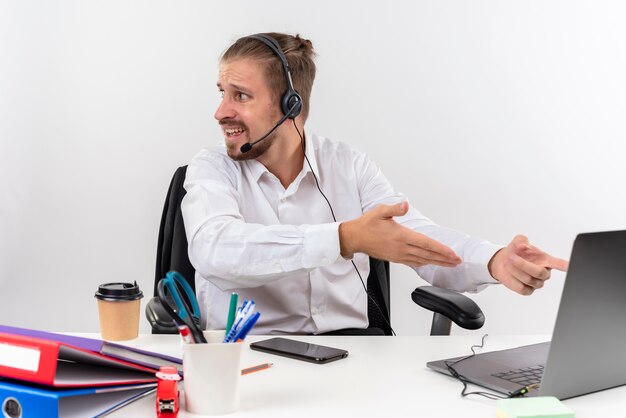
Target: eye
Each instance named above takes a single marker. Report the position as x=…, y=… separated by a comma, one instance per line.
x=221, y=93
x=242, y=96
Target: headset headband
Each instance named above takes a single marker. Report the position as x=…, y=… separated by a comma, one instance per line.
x=291, y=102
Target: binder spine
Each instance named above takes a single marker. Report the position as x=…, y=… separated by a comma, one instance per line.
x=30, y=359
x=26, y=402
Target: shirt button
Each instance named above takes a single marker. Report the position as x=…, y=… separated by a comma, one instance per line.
x=314, y=311
x=282, y=200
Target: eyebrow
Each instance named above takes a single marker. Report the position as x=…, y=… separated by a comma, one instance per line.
x=235, y=86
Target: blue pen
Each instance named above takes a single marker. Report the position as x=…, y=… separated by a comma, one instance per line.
x=246, y=310
x=242, y=316
x=245, y=329
x=235, y=329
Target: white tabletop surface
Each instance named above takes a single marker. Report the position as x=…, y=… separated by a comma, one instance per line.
x=382, y=376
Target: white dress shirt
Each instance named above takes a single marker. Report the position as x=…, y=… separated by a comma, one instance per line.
x=280, y=247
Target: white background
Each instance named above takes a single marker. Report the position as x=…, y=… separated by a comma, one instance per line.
x=494, y=117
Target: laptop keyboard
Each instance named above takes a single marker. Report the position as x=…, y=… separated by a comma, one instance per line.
x=525, y=376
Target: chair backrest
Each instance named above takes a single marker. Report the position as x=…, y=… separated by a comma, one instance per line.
x=378, y=288
x=172, y=245
x=172, y=254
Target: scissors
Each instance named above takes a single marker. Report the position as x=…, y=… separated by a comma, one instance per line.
x=176, y=296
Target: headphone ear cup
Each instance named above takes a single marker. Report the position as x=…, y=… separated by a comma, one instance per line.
x=289, y=100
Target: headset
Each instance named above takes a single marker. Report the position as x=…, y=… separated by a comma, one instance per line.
x=290, y=102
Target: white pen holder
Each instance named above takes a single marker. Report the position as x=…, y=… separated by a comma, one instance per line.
x=211, y=375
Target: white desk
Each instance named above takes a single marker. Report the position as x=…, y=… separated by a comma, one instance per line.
x=382, y=376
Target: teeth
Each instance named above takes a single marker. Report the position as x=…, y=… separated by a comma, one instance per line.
x=233, y=131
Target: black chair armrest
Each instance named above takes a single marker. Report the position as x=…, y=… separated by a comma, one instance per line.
x=453, y=305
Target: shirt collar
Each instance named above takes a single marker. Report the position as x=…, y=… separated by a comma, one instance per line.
x=257, y=169
x=310, y=141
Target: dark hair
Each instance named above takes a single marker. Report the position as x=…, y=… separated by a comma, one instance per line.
x=299, y=53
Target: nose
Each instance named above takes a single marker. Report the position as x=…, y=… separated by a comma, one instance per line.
x=224, y=110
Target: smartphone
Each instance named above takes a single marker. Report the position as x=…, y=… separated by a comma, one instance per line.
x=299, y=350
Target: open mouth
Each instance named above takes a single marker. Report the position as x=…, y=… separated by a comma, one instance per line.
x=233, y=133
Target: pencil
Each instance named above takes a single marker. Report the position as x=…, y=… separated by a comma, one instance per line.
x=256, y=368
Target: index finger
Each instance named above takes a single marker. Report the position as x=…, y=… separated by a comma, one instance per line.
x=556, y=263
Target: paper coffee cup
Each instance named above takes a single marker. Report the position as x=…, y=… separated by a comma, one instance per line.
x=118, y=310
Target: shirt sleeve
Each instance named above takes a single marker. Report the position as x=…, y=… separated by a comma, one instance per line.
x=471, y=275
x=233, y=252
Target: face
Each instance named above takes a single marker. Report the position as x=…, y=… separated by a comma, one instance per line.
x=248, y=109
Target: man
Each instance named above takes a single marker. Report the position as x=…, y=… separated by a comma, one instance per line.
x=281, y=220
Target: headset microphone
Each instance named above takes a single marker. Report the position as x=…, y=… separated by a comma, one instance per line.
x=248, y=146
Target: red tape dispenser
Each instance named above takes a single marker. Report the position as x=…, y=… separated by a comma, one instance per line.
x=167, y=392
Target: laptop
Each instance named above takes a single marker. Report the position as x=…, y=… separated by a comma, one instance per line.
x=586, y=353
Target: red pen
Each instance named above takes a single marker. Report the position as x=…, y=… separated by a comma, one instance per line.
x=185, y=333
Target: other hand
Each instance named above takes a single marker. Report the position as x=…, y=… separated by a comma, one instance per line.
x=376, y=234
x=522, y=267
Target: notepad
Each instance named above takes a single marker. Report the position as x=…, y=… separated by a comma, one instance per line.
x=539, y=407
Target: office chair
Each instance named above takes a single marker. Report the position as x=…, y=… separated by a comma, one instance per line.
x=447, y=305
